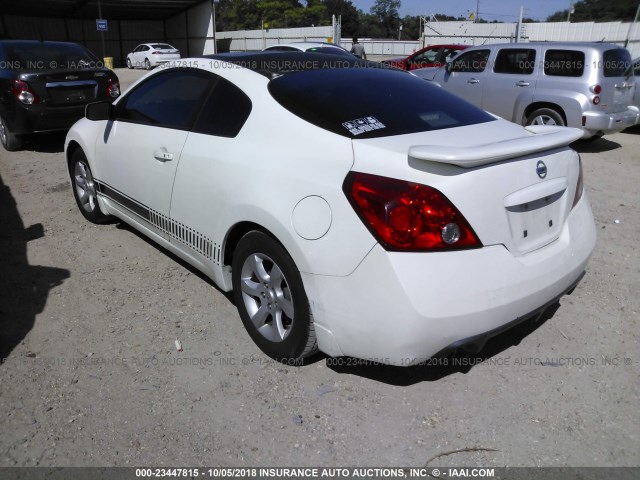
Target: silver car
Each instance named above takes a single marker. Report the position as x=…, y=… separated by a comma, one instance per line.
x=584, y=85
x=636, y=95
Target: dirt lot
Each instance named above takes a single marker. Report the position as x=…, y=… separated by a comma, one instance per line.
x=89, y=316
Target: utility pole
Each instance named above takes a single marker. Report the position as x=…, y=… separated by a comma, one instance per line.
x=213, y=17
x=570, y=11
x=104, y=52
x=626, y=42
x=519, y=29
x=475, y=19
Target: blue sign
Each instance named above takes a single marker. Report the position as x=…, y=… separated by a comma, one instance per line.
x=101, y=25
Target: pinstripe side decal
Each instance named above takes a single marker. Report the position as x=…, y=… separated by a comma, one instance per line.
x=186, y=235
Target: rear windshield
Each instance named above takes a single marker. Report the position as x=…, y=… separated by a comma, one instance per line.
x=329, y=50
x=616, y=62
x=372, y=102
x=29, y=56
x=162, y=46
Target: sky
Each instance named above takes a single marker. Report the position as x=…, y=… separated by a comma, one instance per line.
x=502, y=10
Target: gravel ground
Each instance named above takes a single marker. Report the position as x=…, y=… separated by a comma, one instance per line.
x=89, y=315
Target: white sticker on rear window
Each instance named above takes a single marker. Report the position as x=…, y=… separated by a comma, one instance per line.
x=362, y=125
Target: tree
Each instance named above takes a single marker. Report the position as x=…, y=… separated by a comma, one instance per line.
x=387, y=13
x=349, y=14
x=410, y=27
x=598, y=11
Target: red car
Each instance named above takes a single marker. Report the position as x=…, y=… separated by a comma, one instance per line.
x=431, y=56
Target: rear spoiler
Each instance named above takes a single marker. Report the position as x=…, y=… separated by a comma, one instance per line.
x=544, y=138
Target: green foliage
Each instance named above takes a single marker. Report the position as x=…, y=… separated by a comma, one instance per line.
x=599, y=11
x=349, y=13
x=386, y=12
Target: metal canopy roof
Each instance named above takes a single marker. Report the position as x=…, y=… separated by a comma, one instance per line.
x=111, y=9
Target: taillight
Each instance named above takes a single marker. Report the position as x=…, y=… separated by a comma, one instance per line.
x=113, y=89
x=596, y=89
x=404, y=215
x=596, y=100
x=23, y=93
x=156, y=53
x=579, y=185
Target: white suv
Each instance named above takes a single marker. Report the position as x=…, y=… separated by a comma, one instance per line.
x=584, y=85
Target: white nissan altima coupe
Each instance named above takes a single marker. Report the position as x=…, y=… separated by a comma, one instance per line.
x=352, y=209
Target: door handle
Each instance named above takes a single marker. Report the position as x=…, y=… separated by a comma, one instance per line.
x=473, y=80
x=162, y=155
x=522, y=83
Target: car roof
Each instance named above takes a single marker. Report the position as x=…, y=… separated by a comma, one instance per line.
x=306, y=45
x=274, y=64
x=446, y=45
x=34, y=42
x=595, y=45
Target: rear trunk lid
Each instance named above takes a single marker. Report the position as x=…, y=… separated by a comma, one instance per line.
x=69, y=87
x=516, y=191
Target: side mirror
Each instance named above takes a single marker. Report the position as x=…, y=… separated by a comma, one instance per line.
x=98, y=111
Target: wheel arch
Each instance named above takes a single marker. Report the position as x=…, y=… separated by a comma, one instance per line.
x=537, y=105
x=72, y=147
x=235, y=233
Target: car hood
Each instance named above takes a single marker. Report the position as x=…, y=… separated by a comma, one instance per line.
x=427, y=73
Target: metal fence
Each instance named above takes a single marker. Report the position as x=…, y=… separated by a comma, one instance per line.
x=481, y=33
x=247, y=40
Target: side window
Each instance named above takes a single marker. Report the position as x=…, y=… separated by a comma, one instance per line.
x=616, y=62
x=225, y=111
x=428, y=56
x=169, y=99
x=564, y=63
x=519, y=61
x=636, y=70
x=448, y=54
x=474, y=61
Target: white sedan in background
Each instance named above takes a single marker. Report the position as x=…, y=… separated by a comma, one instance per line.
x=387, y=223
x=149, y=55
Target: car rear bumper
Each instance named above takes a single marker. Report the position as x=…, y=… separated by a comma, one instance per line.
x=403, y=308
x=160, y=59
x=603, y=123
x=42, y=118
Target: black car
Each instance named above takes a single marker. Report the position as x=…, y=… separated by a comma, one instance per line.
x=44, y=87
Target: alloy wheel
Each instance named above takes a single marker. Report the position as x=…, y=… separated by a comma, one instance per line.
x=267, y=297
x=85, y=186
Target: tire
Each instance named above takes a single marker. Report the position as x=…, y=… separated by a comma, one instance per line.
x=10, y=141
x=147, y=64
x=270, y=297
x=129, y=65
x=84, y=189
x=545, y=116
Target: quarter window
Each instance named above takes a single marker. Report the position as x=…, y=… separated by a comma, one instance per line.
x=225, y=111
x=564, y=63
x=475, y=61
x=170, y=99
x=518, y=61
